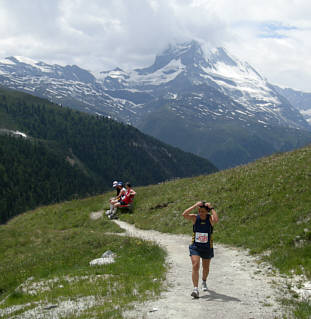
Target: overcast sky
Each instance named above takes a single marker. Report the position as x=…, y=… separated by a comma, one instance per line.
x=273, y=36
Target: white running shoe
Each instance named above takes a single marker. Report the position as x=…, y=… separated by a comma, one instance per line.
x=112, y=216
x=108, y=212
x=195, y=293
x=204, y=286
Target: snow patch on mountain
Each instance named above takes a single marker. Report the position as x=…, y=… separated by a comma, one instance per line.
x=26, y=61
x=6, y=61
x=163, y=75
x=11, y=132
x=242, y=81
x=116, y=73
x=307, y=115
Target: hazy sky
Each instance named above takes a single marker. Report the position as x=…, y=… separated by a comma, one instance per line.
x=273, y=36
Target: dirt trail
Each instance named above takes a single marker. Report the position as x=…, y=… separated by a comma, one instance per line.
x=237, y=286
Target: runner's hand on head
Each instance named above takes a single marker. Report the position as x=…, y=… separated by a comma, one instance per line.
x=209, y=205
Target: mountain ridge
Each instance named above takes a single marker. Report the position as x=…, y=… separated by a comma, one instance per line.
x=206, y=88
x=215, y=68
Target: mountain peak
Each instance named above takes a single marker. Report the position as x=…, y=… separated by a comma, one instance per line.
x=180, y=49
x=189, y=53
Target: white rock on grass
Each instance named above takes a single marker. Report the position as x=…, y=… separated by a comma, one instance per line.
x=304, y=291
x=107, y=257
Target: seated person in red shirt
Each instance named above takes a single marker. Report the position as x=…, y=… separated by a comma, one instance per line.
x=125, y=199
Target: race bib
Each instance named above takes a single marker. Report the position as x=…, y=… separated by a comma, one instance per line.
x=201, y=238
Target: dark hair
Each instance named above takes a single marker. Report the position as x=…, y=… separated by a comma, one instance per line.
x=128, y=184
x=204, y=206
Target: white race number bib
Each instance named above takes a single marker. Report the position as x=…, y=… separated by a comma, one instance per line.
x=201, y=238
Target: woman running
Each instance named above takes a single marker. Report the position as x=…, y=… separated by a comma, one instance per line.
x=201, y=246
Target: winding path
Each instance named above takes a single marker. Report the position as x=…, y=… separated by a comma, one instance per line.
x=238, y=287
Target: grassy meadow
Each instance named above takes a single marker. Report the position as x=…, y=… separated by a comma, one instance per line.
x=45, y=255
x=264, y=206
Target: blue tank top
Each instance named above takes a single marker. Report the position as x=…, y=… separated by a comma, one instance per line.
x=202, y=233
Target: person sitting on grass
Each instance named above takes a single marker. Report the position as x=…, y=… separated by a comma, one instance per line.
x=120, y=192
x=125, y=200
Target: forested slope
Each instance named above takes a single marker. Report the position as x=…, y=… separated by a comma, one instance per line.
x=68, y=153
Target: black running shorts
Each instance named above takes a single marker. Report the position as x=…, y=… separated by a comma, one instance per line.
x=205, y=254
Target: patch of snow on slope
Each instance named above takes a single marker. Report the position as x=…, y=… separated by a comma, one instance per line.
x=306, y=112
x=163, y=75
x=115, y=74
x=27, y=61
x=244, y=79
x=241, y=112
x=307, y=115
x=20, y=133
x=38, y=65
x=6, y=61
x=13, y=132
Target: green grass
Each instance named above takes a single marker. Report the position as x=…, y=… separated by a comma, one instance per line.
x=263, y=207
x=52, y=247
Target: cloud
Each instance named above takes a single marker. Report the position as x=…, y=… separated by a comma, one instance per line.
x=105, y=32
x=102, y=34
x=273, y=37
x=274, y=30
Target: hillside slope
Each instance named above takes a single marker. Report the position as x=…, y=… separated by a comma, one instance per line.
x=44, y=264
x=94, y=151
x=227, y=143
x=263, y=206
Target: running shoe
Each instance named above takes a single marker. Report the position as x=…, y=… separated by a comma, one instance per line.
x=204, y=286
x=195, y=293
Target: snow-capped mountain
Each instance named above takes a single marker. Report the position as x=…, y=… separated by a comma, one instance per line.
x=185, y=71
x=69, y=85
x=185, y=85
x=215, y=84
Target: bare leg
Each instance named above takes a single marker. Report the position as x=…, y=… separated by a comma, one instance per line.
x=114, y=209
x=112, y=201
x=195, y=269
x=205, y=264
